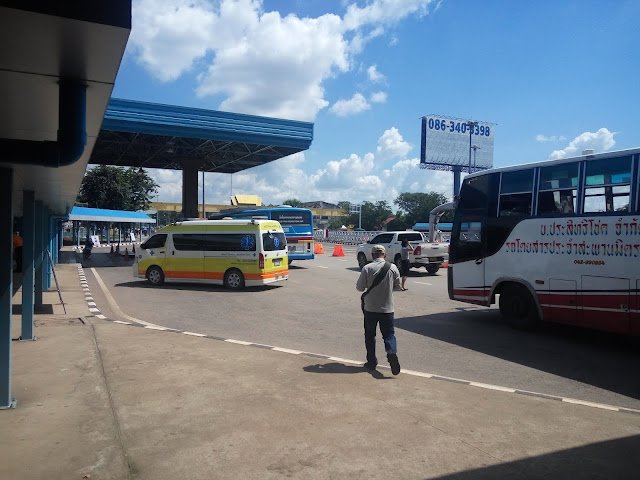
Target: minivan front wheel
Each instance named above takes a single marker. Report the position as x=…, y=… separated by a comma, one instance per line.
x=155, y=275
x=233, y=279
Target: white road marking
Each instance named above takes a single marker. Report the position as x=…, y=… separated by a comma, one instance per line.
x=492, y=387
x=320, y=266
x=114, y=306
x=195, y=334
x=424, y=283
x=287, y=350
x=239, y=342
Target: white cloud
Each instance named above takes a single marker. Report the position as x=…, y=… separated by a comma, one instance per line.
x=553, y=138
x=355, y=104
x=374, y=75
x=384, y=12
x=248, y=57
x=170, y=184
x=600, y=141
x=355, y=178
x=392, y=145
x=169, y=35
x=378, y=97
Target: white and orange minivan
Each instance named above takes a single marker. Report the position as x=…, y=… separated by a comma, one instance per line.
x=233, y=253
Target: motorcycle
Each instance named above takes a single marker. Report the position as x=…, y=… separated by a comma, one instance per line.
x=86, y=251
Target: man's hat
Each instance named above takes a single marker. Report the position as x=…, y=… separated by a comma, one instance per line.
x=377, y=248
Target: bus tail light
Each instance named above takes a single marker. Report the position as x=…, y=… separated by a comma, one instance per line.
x=417, y=250
x=261, y=260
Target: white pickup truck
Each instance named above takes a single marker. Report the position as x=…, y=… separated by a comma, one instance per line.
x=424, y=254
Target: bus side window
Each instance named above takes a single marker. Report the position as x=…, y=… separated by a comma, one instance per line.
x=516, y=193
x=608, y=184
x=558, y=188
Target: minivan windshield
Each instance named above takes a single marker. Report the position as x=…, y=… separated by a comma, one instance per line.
x=157, y=241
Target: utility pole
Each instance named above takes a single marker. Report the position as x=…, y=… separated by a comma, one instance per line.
x=471, y=125
x=474, y=147
x=357, y=209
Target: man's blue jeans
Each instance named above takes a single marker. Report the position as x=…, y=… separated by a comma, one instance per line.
x=371, y=320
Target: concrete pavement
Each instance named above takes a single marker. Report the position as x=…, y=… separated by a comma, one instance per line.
x=102, y=400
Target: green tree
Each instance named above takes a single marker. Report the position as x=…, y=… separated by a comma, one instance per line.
x=416, y=206
x=374, y=215
x=117, y=188
x=294, y=202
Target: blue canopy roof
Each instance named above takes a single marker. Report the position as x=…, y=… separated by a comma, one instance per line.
x=103, y=215
x=152, y=135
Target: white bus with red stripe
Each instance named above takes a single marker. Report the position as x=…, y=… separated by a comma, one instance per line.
x=555, y=241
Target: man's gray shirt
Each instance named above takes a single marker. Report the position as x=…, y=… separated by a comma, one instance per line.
x=381, y=297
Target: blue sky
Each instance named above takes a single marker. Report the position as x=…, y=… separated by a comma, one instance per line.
x=556, y=77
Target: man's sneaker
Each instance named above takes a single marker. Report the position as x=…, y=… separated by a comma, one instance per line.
x=370, y=366
x=394, y=363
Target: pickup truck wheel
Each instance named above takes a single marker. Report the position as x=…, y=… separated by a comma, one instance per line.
x=362, y=260
x=398, y=261
x=432, y=269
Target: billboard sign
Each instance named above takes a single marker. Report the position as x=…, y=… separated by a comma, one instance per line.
x=447, y=141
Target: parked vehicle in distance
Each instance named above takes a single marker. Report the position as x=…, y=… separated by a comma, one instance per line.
x=426, y=254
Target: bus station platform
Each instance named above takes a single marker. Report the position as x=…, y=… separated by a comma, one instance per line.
x=97, y=399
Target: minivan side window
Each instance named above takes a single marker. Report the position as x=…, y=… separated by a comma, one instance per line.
x=228, y=242
x=187, y=241
x=157, y=241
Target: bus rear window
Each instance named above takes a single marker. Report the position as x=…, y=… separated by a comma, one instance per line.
x=292, y=218
x=272, y=241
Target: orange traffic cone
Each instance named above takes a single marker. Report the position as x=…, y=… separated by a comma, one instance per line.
x=337, y=251
x=445, y=264
x=318, y=248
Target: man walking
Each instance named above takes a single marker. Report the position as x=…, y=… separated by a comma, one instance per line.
x=379, y=278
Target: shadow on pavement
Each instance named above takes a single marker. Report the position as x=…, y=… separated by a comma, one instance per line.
x=196, y=287
x=604, y=360
x=342, y=368
x=609, y=459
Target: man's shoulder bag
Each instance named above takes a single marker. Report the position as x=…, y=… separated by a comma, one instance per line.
x=376, y=280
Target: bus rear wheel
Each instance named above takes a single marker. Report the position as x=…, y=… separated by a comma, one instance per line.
x=518, y=308
x=233, y=279
x=155, y=276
